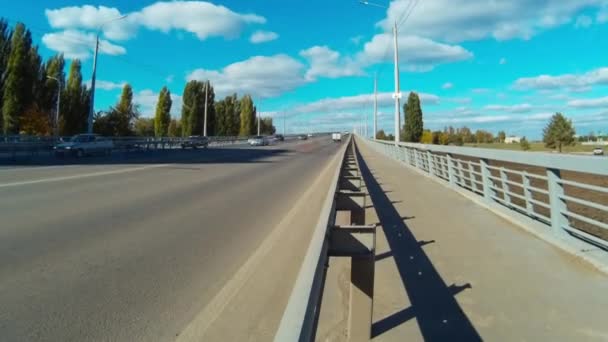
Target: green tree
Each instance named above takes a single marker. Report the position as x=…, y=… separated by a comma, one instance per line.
x=5, y=48
x=559, y=132
x=227, y=116
x=74, y=103
x=247, y=117
x=193, y=109
x=380, y=135
x=17, y=87
x=175, y=129
x=126, y=112
x=436, y=137
x=524, y=144
x=427, y=137
x=413, y=127
x=144, y=127
x=266, y=126
x=502, y=136
x=162, y=118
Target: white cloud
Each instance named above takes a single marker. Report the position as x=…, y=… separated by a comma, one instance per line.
x=147, y=99
x=447, y=85
x=106, y=85
x=480, y=90
x=461, y=20
x=460, y=100
x=601, y=102
x=502, y=61
x=77, y=44
x=415, y=53
x=518, y=108
x=200, y=18
x=570, y=81
x=356, y=39
x=91, y=18
x=602, y=15
x=259, y=76
x=325, y=62
x=263, y=36
x=583, y=21
x=358, y=102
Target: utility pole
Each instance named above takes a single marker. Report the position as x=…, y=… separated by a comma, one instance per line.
x=284, y=124
x=397, y=94
x=375, y=105
x=258, y=124
x=206, y=97
x=93, y=76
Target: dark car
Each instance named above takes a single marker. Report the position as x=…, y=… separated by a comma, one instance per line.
x=280, y=137
x=195, y=141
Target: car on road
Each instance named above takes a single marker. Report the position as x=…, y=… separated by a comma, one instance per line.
x=336, y=137
x=310, y=135
x=195, y=141
x=302, y=137
x=258, y=141
x=598, y=151
x=84, y=144
x=280, y=137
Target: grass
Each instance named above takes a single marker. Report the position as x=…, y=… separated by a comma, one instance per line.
x=535, y=147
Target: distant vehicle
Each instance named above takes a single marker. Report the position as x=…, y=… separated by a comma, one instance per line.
x=84, y=144
x=302, y=137
x=195, y=141
x=258, y=141
x=598, y=151
x=280, y=137
x=310, y=135
x=337, y=137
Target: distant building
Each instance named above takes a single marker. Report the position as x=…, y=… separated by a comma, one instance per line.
x=512, y=140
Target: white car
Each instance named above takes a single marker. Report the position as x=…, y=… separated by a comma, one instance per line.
x=84, y=144
x=598, y=151
x=337, y=137
x=258, y=141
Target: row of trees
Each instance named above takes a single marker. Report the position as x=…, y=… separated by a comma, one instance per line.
x=30, y=86
x=558, y=133
x=228, y=117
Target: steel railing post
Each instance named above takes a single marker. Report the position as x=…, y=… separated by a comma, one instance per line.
x=429, y=156
x=488, y=192
x=556, y=202
x=505, y=186
x=451, y=175
x=527, y=193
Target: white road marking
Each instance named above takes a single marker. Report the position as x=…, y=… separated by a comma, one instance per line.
x=201, y=323
x=33, y=168
x=86, y=175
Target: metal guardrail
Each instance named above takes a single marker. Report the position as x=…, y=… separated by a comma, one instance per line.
x=567, y=193
x=335, y=238
x=13, y=146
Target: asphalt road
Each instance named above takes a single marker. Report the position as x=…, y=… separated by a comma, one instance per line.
x=157, y=247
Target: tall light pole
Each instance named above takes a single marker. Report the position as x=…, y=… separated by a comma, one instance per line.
x=92, y=104
x=397, y=94
x=206, y=97
x=56, y=128
x=375, y=105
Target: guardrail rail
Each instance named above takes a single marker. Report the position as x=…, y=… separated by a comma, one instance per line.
x=566, y=193
x=340, y=232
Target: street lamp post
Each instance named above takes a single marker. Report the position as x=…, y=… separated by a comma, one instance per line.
x=397, y=94
x=56, y=123
x=94, y=75
x=375, y=105
x=206, y=97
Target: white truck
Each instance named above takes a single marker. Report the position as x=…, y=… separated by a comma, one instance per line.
x=337, y=137
x=84, y=144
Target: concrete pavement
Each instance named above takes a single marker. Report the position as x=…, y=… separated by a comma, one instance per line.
x=204, y=246
x=448, y=269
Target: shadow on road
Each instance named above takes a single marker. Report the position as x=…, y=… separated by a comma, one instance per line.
x=438, y=314
x=175, y=156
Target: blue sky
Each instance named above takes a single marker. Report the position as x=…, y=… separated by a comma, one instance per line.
x=485, y=64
